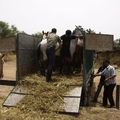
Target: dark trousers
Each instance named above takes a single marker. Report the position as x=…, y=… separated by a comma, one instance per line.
x=108, y=95
x=100, y=85
x=51, y=62
x=65, y=65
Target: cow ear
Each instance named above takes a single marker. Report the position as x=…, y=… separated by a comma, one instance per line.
x=47, y=33
x=43, y=32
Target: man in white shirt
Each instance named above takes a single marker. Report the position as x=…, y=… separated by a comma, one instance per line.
x=110, y=82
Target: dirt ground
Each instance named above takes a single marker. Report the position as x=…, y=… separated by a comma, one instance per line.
x=40, y=106
x=9, y=70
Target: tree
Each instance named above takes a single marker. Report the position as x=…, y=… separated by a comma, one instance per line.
x=6, y=30
x=38, y=34
x=117, y=43
x=14, y=30
x=89, y=31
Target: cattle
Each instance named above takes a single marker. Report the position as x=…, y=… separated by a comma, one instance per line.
x=76, y=49
x=76, y=52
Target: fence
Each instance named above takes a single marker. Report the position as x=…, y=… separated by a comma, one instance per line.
x=7, y=44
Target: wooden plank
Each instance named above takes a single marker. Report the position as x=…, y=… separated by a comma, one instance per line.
x=99, y=42
x=117, y=96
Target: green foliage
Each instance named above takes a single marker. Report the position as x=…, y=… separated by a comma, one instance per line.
x=38, y=34
x=6, y=30
x=117, y=43
x=90, y=31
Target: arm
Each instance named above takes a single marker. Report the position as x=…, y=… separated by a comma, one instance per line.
x=97, y=74
x=111, y=77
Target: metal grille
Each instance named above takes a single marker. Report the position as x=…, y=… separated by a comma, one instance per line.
x=26, y=55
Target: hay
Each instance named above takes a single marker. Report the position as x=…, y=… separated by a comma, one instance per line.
x=45, y=100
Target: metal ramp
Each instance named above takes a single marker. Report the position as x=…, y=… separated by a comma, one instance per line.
x=15, y=96
x=72, y=101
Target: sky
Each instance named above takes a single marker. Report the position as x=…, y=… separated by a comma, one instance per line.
x=33, y=16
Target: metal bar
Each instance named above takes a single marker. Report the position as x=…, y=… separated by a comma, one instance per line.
x=117, y=96
x=8, y=82
x=72, y=96
x=83, y=100
x=26, y=49
x=17, y=59
x=21, y=93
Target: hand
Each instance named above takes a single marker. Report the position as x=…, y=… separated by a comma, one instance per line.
x=93, y=75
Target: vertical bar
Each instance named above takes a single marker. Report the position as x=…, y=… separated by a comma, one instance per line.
x=87, y=71
x=17, y=59
x=117, y=96
x=84, y=92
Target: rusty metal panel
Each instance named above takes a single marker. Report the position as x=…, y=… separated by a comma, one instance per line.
x=13, y=99
x=15, y=96
x=75, y=92
x=99, y=42
x=26, y=55
x=7, y=44
x=26, y=41
x=72, y=101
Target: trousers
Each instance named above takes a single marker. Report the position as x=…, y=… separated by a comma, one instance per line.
x=51, y=62
x=108, y=95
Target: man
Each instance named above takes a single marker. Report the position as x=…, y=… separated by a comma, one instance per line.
x=110, y=75
x=65, y=52
x=101, y=82
x=52, y=40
